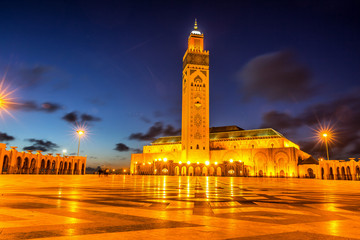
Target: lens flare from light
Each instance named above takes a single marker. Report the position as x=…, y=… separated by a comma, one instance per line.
x=6, y=98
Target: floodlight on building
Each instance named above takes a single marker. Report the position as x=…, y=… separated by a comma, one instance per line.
x=231, y=160
x=180, y=162
x=207, y=163
x=216, y=163
x=165, y=159
x=188, y=162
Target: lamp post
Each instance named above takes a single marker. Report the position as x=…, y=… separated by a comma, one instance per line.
x=80, y=133
x=325, y=136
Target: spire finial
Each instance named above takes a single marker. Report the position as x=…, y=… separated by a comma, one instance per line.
x=195, y=26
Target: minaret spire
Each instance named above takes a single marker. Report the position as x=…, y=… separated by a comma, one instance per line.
x=195, y=26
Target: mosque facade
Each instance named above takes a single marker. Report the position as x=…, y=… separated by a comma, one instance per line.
x=218, y=151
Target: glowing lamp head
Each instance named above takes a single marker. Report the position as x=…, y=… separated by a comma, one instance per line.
x=64, y=151
x=325, y=135
x=207, y=163
x=231, y=160
x=215, y=163
x=239, y=160
x=197, y=163
x=165, y=159
x=80, y=132
x=180, y=162
x=188, y=162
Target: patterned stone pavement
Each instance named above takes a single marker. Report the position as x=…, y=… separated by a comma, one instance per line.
x=161, y=207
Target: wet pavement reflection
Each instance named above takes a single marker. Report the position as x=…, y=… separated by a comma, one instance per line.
x=137, y=207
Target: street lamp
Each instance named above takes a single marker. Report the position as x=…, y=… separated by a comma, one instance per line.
x=80, y=133
x=325, y=136
x=64, y=152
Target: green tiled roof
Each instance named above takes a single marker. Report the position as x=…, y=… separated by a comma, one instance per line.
x=266, y=132
x=162, y=140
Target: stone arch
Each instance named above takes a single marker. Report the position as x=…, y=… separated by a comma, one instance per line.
x=281, y=161
x=18, y=165
x=338, y=175
x=69, y=168
x=348, y=173
x=211, y=171
x=53, y=167
x=357, y=173
x=260, y=160
x=61, y=166
x=310, y=173
x=5, y=167
x=48, y=166
x=232, y=154
x=272, y=144
x=83, y=169
x=191, y=171
x=25, y=167
x=204, y=171
x=197, y=171
x=322, y=173
x=282, y=173
x=331, y=173
x=218, y=171
x=42, y=166
x=261, y=174
x=183, y=171
x=164, y=171
x=177, y=171
x=75, y=168
x=32, y=168
x=65, y=167
x=343, y=175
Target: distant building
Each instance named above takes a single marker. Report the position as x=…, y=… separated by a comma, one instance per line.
x=218, y=151
x=14, y=162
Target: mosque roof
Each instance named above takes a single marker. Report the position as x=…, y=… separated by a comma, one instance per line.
x=309, y=160
x=226, y=132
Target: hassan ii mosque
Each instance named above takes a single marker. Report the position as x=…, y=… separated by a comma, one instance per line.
x=227, y=150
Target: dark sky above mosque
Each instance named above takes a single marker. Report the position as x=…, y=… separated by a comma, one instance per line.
x=116, y=66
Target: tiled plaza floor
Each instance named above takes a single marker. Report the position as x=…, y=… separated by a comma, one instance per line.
x=157, y=207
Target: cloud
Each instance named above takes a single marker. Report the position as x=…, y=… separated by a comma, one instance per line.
x=121, y=147
x=30, y=106
x=89, y=118
x=171, y=131
x=279, y=121
x=71, y=117
x=4, y=137
x=343, y=113
x=41, y=145
x=50, y=107
x=276, y=77
x=34, y=76
x=74, y=117
x=155, y=131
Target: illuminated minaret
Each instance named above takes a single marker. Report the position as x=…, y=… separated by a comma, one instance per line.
x=195, y=100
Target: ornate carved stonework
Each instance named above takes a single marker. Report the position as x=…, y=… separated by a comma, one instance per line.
x=197, y=59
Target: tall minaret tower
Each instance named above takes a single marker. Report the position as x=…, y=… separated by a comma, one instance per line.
x=195, y=100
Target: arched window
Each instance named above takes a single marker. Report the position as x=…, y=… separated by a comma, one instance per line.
x=197, y=146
